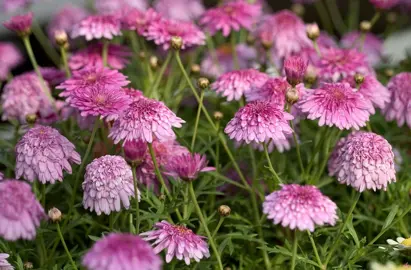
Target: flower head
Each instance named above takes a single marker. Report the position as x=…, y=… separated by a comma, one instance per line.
x=272, y=90
x=43, y=153
x=259, y=121
x=114, y=6
x=179, y=241
x=300, y=207
x=401, y=243
x=399, y=108
x=135, y=151
x=135, y=19
x=10, y=57
x=372, y=45
x=145, y=119
x=185, y=10
x=4, y=264
x=108, y=183
x=295, y=68
x=231, y=16
x=20, y=212
x=337, y=104
x=235, y=84
x=21, y=24
x=363, y=160
x=384, y=4
x=121, y=251
x=372, y=89
x=134, y=94
x=97, y=27
x=52, y=75
x=10, y=6
x=188, y=166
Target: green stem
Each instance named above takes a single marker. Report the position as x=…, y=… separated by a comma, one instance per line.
x=213, y=52
x=336, y=16
x=65, y=63
x=375, y=18
x=44, y=42
x=105, y=52
x=200, y=105
x=297, y=145
x=133, y=167
x=315, y=249
x=325, y=20
x=65, y=247
x=295, y=246
x=154, y=88
x=186, y=201
x=234, y=51
x=220, y=222
x=317, y=48
x=203, y=222
x=369, y=129
x=354, y=10
x=43, y=197
x=270, y=166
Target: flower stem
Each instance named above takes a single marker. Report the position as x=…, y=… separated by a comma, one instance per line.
x=213, y=52
x=105, y=52
x=202, y=220
x=297, y=144
x=315, y=249
x=200, y=105
x=336, y=16
x=154, y=88
x=317, y=48
x=295, y=246
x=65, y=247
x=64, y=58
x=234, y=51
x=43, y=195
x=325, y=20
x=44, y=42
x=220, y=222
x=133, y=168
x=270, y=166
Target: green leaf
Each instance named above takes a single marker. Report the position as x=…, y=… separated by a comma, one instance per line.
x=223, y=245
x=390, y=217
x=353, y=233
x=94, y=238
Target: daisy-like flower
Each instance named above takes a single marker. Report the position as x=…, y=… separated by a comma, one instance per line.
x=161, y=32
x=179, y=241
x=43, y=153
x=121, y=251
x=272, y=90
x=20, y=212
x=21, y=24
x=372, y=46
x=185, y=10
x=372, y=89
x=400, y=243
x=188, y=166
x=108, y=184
x=363, y=160
x=295, y=68
x=145, y=119
x=97, y=27
x=399, y=108
x=10, y=6
x=388, y=266
x=235, y=84
x=113, y=6
x=287, y=32
x=10, y=57
x=259, y=121
x=140, y=21
x=384, y=4
x=337, y=104
x=231, y=16
x=300, y=207
x=4, y=264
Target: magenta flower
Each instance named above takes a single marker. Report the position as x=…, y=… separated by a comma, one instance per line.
x=135, y=151
x=188, y=166
x=113, y=6
x=108, y=183
x=97, y=27
x=134, y=94
x=179, y=241
x=43, y=153
x=259, y=121
x=272, y=90
x=231, y=16
x=139, y=20
x=10, y=57
x=4, y=264
x=372, y=46
x=384, y=4
x=185, y=10
x=235, y=84
x=52, y=75
x=21, y=24
x=372, y=89
x=10, y=6
x=363, y=160
x=121, y=251
x=161, y=32
x=295, y=68
x=145, y=119
x=337, y=104
x=20, y=212
x=300, y=207
x=399, y=108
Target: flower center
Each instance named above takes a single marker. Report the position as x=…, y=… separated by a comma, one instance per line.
x=406, y=242
x=91, y=78
x=225, y=49
x=229, y=10
x=338, y=94
x=182, y=230
x=100, y=99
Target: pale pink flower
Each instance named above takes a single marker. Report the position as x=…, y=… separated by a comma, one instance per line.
x=135, y=151
x=185, y=10
x=272, y=90
x=21, y=24
x=138, y=20
x=372, y=46
x=113, y=6
x=179, y=241
x=300, y=207
x=10, y=57
x=372, y=89
x=134, y=94
x=10, y=6
x=363, y=160
x=4, y=264
x=1, y=176
x=97, y=27
x=384, y=4
x=52, y=75
x=188, y=166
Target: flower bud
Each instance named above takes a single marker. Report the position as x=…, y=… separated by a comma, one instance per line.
x=135, y=151
x=203, y=83
x=292, y=96
x=195, y=68
x=310, y=75
x=176, y=43
x=86, y=139
x=153, y=62
x=28, y=265
x=312, y=30
x=55, y=214
x=250, y=40
x=298, y=9
x=142, y=55
x=31, y=119
x=389, y=72
x=224, y=210
x=365, y=26
x=295, y=68
x=60, y=36
x=218, y=115
x=391, y=17
x=162, y=197
x=359, y=79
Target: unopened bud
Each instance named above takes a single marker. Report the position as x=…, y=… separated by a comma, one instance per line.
x=176, y=42
x=162, y=197
x=298, y=9
x=359, y=79
x=195, y=68
x=224, y=210
x=389, y=72
x=365, y=26
x=31, y=119
x=312, y=30
x=142, y=55
x=250, y=40
x=60, y=36
x=218, y=115
x=267, y=44
x=153, y=62
x=55, y=214
x=28, y=265
x=292, y=96
x=203, y=83
x=391, y=17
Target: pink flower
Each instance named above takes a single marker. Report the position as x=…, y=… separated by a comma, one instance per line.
x=20, y=212
x=372, y=89
x=97, y=27
x=52, y=75
x=235, y=84
x=337, y=104
x=185, y=10
x=231, y=16
x=372, y=46
x=43, y=153
x=140, y=21
x=179, y=241
x=188, y=166
x=4, y=264
x=145, y=119
x=10, y=57
x=108, y=183
x=363, y=160
x=113, y=6
x=259, y=121
x=272, y=90
x=384, y=4
x=300, y=207
x=21, y=24
x=281, y=144
x=9, y=6
x=121, y=251
x=1, y=176
x=295, y=68
x=287, y=32
x=161, y=32
x=399, y=108
x=134, y=94
x=135, y=151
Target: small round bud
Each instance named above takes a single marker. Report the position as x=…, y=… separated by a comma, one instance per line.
x=142, y=55
x=359, y=79
x=298, y=9
x=224, y=210
x=162, y=197
x=203, y=83
x=312, y=30
x=176, y=42
x=86, y=139
x=310, y=75
x=218, y=115
x=31, y=119
x=292, y=95
x=389, y=72
x=365, y=26
x=250, y=40
x=227, y=268
x=135, y=151
x=391, y=17
x=153, y=62
x=55, y=214
x=60, y=36
x=267, y=44
x=195, y=68
x=28, y=265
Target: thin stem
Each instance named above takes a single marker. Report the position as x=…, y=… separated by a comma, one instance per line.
x=105, y=52
x=315, y=249
x=65, y=247
x=133, y=168
x=200, y=105
x=270, y=166
x=317, y=48
x=369, y=127
x=185, y=207
x=154, y=88
x=297, y=144
x=340, y=231
x=45, y=44
x=234, y=51
x=213, y=52
x=64, y=58
x=375, y=18
x=354, y=10
x=336, y=16
x=220, y=222
x=43, y=195
x=203, y=222
x=325, y=20
x=295, y=246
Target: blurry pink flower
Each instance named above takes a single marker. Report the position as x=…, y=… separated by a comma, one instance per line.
x=304, y=1
x=52, y=75
x=384, y=4
x=43, y=153
x=21, y=24
x=235, y=84
x=113, y=6
x=4, y=264
x=295, y=68
x=300, y=207
x=97, y=27
x=10, y=6
x=372, y=46
x=185, y=10
x=272, y=90
x=121, y=251
x=10, y=57
x=140, y=21
x=337, y=104
x=372, y=89
x=66, y=111
x=1, y=176
x=108, y=184
x=179, y=241
x=363, y=160
x=134, y=94
x=399, y=108
x=188, y=166
x=259, y=121
x=20, y=212
x=231, y=16
x=280, y=144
